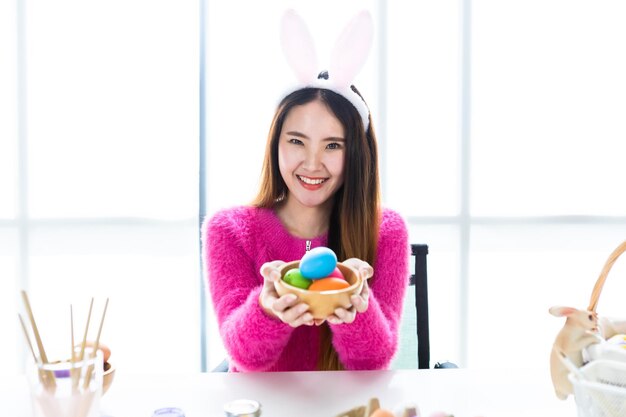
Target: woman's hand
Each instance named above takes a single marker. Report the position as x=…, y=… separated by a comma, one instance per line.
x=286, y=308
x=359, y=301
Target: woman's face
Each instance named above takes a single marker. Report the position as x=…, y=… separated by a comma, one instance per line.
x=311, y=151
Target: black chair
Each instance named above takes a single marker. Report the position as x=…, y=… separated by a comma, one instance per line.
x=419, y=280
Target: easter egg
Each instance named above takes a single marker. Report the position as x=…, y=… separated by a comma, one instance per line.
x=327, y=284
x=295, y=278
x=336, y=273
x=106, y=352
x=318, y=263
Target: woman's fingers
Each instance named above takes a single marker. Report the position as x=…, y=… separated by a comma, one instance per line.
x=365, y=290
x=269, y=270
x=292, y=312
x=283, y=303
x=348, y=315
x=366, y=272
x=363, y=268
x=343, y=315
x=359, y=303
x=297, y=315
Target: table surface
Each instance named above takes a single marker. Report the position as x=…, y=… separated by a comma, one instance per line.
x=461, y=392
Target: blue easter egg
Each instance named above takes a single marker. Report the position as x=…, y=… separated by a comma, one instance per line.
x=318, y=263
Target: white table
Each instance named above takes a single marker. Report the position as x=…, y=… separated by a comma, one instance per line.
x=462, y=392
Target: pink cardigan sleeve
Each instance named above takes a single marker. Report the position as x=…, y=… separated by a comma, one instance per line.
x=252, y=339
x=371, y=341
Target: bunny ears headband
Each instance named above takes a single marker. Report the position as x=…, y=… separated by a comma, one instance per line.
x=347, y=58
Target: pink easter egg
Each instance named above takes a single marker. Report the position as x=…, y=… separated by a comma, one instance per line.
x=336, y=273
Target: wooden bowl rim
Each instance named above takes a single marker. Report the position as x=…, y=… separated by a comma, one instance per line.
x=109, y=369
x=291, y=265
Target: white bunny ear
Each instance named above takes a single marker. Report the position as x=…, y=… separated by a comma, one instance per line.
x=351, y=50
x=298, y=47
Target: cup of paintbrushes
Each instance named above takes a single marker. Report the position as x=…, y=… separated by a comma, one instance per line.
x=67, y=388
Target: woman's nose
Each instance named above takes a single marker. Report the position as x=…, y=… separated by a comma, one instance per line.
x=313, y=160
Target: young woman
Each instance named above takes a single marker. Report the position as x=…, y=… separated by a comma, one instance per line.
x=319, y=187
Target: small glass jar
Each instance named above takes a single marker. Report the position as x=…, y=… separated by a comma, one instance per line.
x=67, y=388
x=242, y=408
x=168, y=412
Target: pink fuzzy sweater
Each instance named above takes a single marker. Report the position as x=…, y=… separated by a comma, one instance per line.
x=239, y=240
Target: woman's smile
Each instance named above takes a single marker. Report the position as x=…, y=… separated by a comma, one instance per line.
x=311, y=183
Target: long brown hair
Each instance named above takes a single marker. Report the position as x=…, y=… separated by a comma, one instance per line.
x=355, y=215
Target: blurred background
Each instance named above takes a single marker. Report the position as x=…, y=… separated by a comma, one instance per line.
x=124, y=123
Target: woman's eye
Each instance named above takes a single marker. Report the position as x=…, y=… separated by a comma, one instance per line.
x=333, y=145
x=295, y=141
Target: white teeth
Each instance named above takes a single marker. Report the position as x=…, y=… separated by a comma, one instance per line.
x=310, y=180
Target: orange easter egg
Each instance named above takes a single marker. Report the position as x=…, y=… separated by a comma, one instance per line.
x=106, y=352
x=327, y=284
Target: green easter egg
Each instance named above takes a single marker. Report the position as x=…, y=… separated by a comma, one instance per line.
x=295, y=278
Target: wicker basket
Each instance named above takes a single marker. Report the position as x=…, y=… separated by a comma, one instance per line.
x=600, y=386
x=597, y=289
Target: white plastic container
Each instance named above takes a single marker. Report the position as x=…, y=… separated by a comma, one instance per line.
x=600, y=391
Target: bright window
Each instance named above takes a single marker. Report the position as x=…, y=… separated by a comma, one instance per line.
x=99, y=178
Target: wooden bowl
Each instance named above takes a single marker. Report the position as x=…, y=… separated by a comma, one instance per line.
x=108, y=368
x=322, y=303
x=107, y=377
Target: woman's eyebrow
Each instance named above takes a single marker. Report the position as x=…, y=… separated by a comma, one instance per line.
x=298, y=134
x=302, y=135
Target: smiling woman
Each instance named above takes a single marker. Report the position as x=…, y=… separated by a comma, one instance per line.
x=319, y=187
